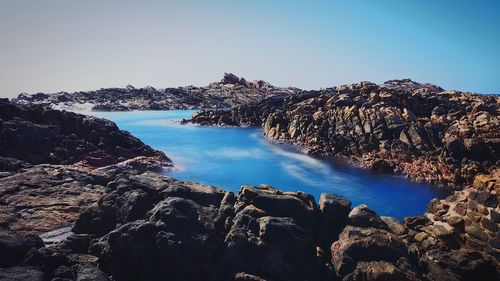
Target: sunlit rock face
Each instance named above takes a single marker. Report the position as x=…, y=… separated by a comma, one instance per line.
x=420, y=130
x=230, y=91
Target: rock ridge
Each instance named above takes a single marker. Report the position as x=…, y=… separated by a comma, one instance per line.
x=419, y=130
x=152, y=227
x=230, y=91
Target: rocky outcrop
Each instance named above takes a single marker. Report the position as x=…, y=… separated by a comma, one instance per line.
x=230, y=91
x=53, y=164
x=420, y=130
x=151, y=227
x=458, y=237
x=47, y=197
x=35, y=135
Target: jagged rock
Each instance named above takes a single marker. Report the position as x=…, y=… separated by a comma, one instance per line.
x=334, y=211
x=379, y=271
x=21, y=273
x=401, y=126
x=363, y=216
x=357, y=244
x=66, y=192
x=230, y=91
x=37, y=135
x=13, y=247
x=88, y=272
x=271, y=226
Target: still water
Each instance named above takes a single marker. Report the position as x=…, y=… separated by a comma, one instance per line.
x=231, y=157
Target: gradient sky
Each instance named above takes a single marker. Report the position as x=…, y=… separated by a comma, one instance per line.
x=65, y=45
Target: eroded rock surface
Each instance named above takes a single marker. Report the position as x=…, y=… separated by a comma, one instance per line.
x=230, y=91
x=53, y=164
x=35, y=135
x=151, y=227
x=420, y=130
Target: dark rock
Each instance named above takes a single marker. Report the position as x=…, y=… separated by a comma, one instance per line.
x=21, y=273
x=363, y=216
x=13, y=247
x=380, y=271
x=382, y=167
x=230, y=91
x=87, y=272
x=358, y=244
x=38, y=135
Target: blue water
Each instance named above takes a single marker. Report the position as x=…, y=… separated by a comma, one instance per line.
x=231, y=157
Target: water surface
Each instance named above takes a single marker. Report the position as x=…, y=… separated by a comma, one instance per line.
x=231, y=157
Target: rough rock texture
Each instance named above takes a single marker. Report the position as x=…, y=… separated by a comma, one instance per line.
x=48, y=161
x=156, y=228
x=47, y=197
x=35, y=135
x=151, y=227
x=420, y=130
x=13, y=248
x=458, y=238
x=230, y=91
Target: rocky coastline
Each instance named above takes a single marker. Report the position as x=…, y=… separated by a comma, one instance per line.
x=418, y=130
x=132, y=224
x=230, y=91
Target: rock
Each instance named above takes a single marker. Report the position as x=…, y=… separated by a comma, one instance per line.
x=21, y=273
x=66, y=192
x=88, y=272
x=382, y=167
x=14, y=247
x=394, y=225
x=381, y=271
x=38, y=135
x=363, y=216
x=334, y=210
x=265, y=230
x=230, y=91
x=415, y=129
x=358, y=244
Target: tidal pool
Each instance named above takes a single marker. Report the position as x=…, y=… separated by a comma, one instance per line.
x=231, y=157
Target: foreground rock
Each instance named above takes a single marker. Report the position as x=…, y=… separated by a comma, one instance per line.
x=150, y=227
x=53, y=164
x=47, y=197
x=420, y=130
x=230, y=91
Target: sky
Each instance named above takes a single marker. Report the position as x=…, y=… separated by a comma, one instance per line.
x=65, y=45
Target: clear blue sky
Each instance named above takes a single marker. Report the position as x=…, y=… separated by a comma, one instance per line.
x=56, y=45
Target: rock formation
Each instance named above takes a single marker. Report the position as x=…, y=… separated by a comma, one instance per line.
x=230, y=91
x=36, y=135
x=420, y=130
x=61, y=169
x=151, y=227
x=55, y=163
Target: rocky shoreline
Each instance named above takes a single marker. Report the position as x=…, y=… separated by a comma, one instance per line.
x=418, y=130
x=61, y=169
x=151, y=227
x=230, y=91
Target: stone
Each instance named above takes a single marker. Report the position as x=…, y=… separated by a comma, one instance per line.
x=21, y=273
x=357, y=244
x=380, y=271
x=87, y=272
x=365, y=217
x=13, y=247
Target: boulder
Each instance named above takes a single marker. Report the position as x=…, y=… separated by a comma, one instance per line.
x=21, y=273
x=13, y=247
x=363, y=216
x=358, y=244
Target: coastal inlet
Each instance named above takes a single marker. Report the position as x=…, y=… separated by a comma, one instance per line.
x=231, y=157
